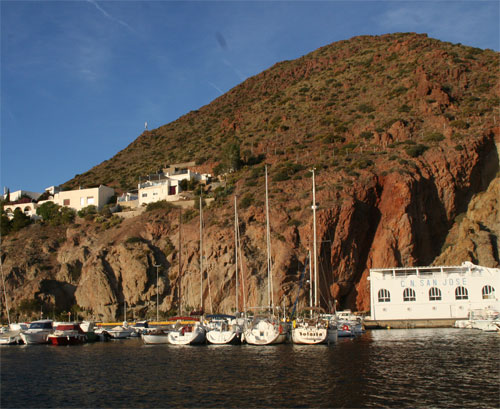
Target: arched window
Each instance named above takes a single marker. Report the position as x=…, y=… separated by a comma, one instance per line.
x=384, y=295
x=488, y=292
x=409, y=294
x=434, y=294
x=461, y=293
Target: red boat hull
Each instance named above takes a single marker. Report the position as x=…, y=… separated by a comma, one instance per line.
x=65, y=340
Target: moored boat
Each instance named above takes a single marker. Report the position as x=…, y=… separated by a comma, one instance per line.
x=11, y=335
x=38, y=332
x=223, y=329
x=188, y=331
x=265, y=330
x=120, y=332
x=310, y=330
x=155, y=336
x=67, y=334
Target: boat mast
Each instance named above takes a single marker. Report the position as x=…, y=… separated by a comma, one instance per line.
x=311, y=283
x=180, y=254
x=236, y=250
x=314, y=207
x=201, y=256
x=5, y=292
x=268, y=239
x=241, y=268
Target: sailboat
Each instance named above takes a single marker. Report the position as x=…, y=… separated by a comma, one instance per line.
x=313, y=329
x=190, y=331
x=265, y=328
x=221, y=328
x=12, y=334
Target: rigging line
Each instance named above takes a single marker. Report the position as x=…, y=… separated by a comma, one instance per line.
x=236, y=289
x=241, y=264
x=300, y=286
x=4, y=291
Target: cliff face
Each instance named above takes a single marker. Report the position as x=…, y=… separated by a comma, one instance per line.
x=408, y=175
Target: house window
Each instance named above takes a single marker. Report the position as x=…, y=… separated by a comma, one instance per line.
x=82, y=201
x=488, y=292
x=461, y=293
x=409, y=294
x=90, y=200
x=384, y=295
x=66, y=202
x=434, y=294
x=155, y=194
x=171, y=190
x=144, y=195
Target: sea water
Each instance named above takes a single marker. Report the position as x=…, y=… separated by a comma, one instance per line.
x=384, y=368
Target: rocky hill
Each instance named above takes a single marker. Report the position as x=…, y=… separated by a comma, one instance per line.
x=402, y=130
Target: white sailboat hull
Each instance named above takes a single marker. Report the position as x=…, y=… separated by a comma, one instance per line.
x=265, y=333
x=218, y=337
x=309, y=335
x=155, y=339
x=187, y=337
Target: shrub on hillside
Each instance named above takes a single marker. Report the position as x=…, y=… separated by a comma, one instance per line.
x=20, y=220
x=55, y=215
x=434, y=137
x=459, y=123
x=416, y=150
x=88, y=213
x=246, y=201
x=161, y=204
x=365, y=108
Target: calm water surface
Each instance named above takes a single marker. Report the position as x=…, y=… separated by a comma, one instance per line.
x=387, y=368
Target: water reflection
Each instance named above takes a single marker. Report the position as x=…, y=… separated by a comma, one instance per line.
x=389, y=368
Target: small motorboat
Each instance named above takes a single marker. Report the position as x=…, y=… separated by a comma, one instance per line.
x=120, y=332
x=155, y=336
x=38, y=332
x=67, y=334
x=11, y=335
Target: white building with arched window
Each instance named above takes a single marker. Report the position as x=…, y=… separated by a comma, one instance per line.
x=418, y=295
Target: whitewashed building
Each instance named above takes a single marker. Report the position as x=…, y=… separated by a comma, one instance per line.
x=161, y=189
x=78, y=199
x=432, y=293
x=166, y=185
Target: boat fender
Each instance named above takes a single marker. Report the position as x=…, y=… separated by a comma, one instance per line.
x=281, y=329
x=345, y=327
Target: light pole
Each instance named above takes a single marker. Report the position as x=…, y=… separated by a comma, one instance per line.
x=157, y=305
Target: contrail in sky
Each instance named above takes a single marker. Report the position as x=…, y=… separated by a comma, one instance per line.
x=106, y=14
x=216, y=87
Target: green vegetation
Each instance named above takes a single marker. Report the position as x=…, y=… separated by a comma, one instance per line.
x=161, y=204
x=416, y=150
x=55, y=215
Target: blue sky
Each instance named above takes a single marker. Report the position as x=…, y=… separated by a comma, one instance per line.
x=80, y=78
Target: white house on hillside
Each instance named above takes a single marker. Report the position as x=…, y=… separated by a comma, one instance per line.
x=78, y=199
x=166, y=185
x=161, y=189
x=14, y=196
